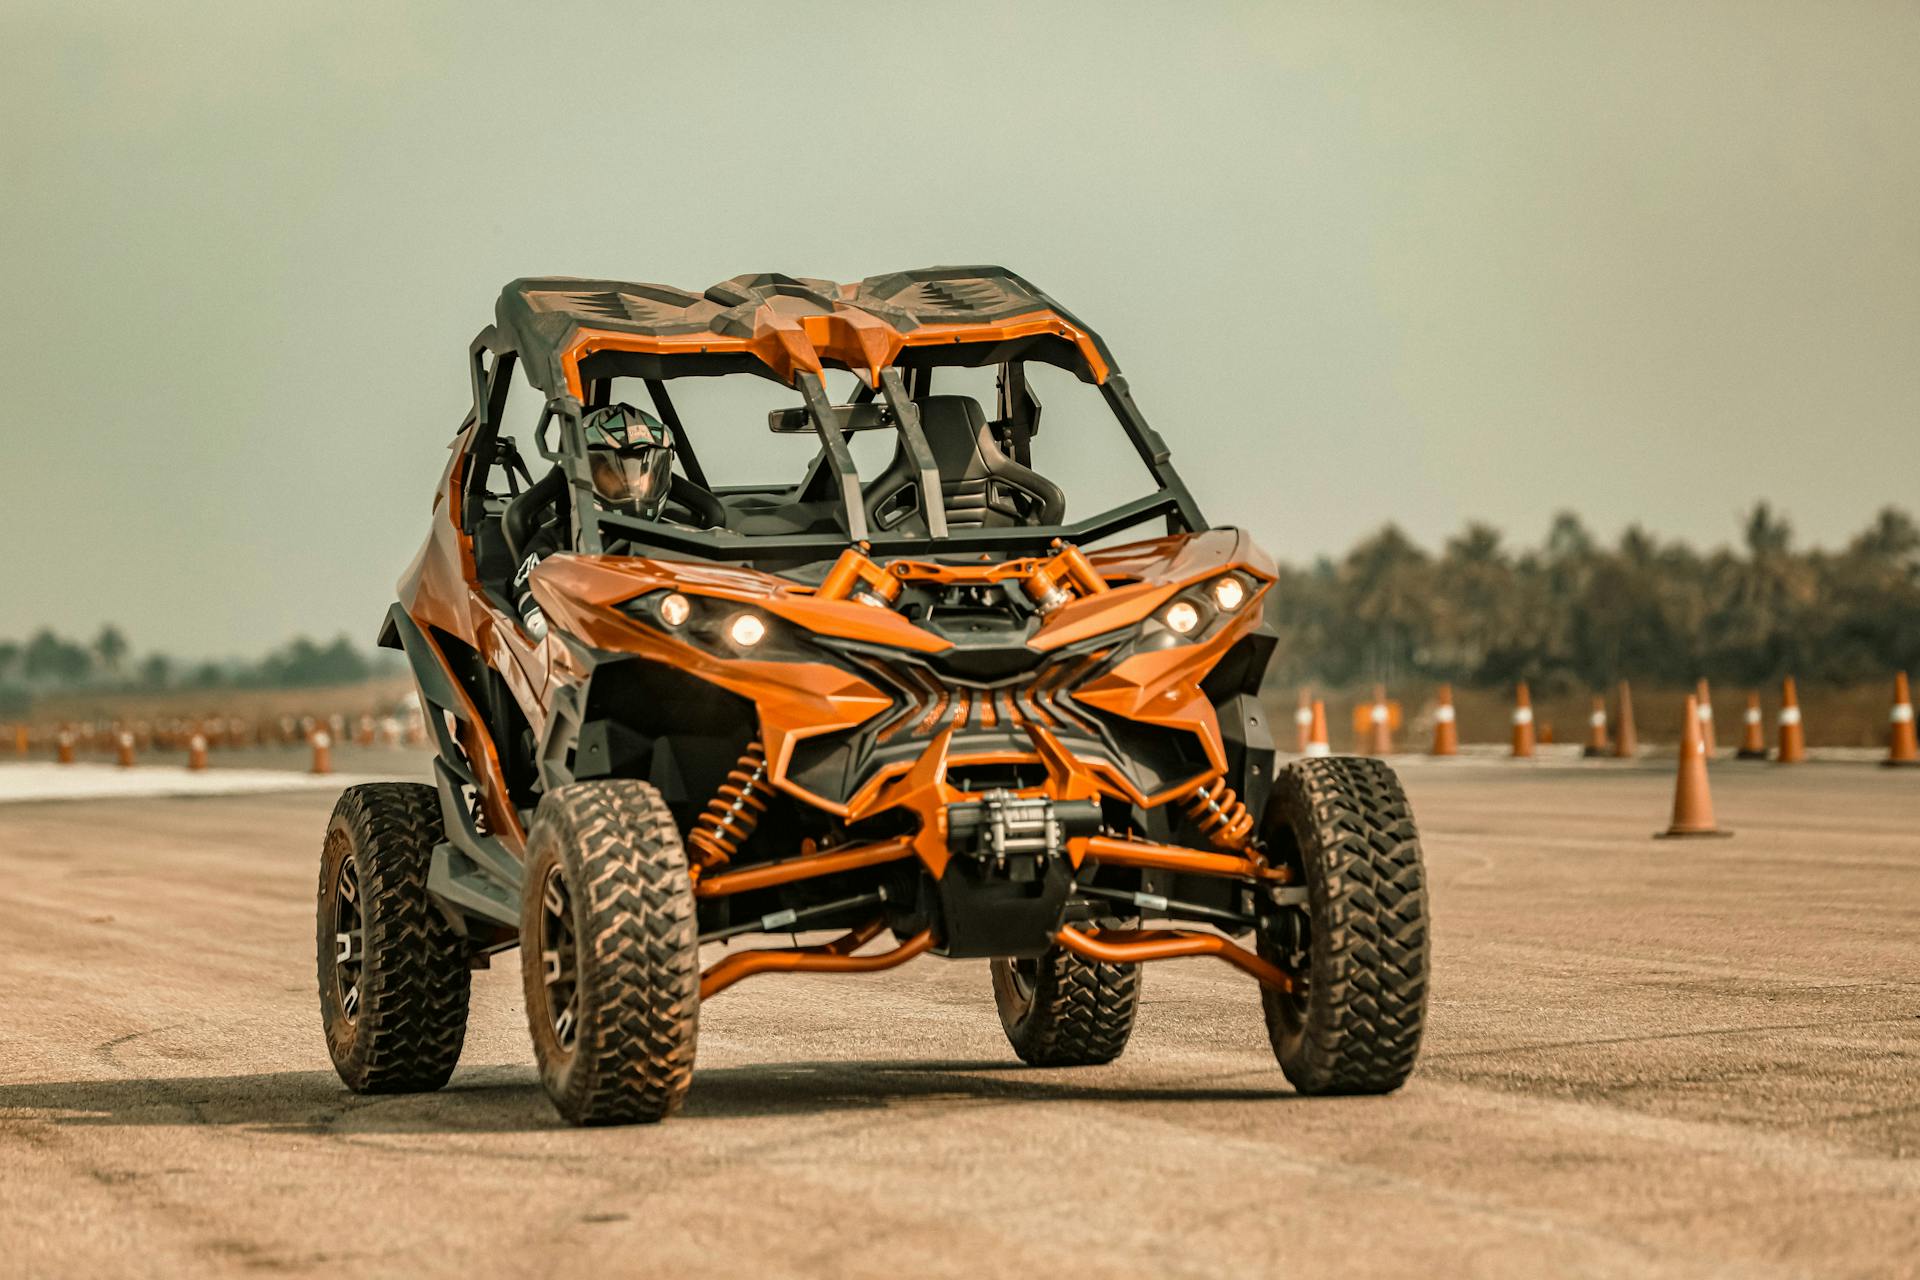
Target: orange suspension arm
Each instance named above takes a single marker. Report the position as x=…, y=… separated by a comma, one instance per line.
x=1123, y=947
x=834, y=957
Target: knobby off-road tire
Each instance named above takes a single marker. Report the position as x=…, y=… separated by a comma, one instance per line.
x=393, y=971
x=1344, y=825
x=610, y=953
x=1062, y=1010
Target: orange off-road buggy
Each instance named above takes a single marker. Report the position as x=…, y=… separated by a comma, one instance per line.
x=909, y=702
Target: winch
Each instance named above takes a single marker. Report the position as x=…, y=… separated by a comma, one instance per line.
x=1003, y=891
x=1015, y=833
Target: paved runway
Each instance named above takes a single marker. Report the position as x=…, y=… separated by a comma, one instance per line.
x=1643, y=1059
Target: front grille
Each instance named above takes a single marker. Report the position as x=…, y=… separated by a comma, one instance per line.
x=987, y=719
x=925, y=704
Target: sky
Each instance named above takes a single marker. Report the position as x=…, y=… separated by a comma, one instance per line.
x=1423, y=263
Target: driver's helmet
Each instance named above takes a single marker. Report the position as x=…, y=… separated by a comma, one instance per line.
x=630, y=458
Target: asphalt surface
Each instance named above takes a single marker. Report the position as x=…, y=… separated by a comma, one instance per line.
x=1644, y=1059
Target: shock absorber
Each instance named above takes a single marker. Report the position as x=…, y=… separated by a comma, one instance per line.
x=1220, y=814
x=734, y=811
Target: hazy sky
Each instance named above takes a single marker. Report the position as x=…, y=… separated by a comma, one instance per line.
x=1420, y=261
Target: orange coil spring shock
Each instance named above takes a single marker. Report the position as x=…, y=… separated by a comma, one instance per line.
x=1220, y=814
x=734, y=811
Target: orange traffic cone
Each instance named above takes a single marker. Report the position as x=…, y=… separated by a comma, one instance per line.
x=21, y=740
x=1692, y=802
x=1793, y=738
x=123, y=750
x=63, y=747
x=1901, y=746
x=1446, y=734
x=1317, y=744
x=197, y=752
x=1753, y=734
x=1705, y=697
x=1597, y=730
x=1379, y=736
x=1303, y=722
x=322, y=752
x=1522, y=721
x=1626, y=743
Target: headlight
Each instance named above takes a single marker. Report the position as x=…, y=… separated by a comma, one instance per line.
x=1228, y=594
x=1182, y=617
x=675, y=609
x=746, y=630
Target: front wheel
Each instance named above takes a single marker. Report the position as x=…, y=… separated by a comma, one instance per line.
x=610, y=954
x=1353, y=1024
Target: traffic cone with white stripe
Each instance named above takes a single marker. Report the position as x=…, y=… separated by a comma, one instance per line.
x=1597, y=730
x=197, y=752
x=1522, y=722
x=1317, y=744
x=1902, y=749
x=123, y=749
x=1705, y=699
x=1626, y=742
x=1379, y=740
x=1793, y=737
x=1692, y=801
x=1446, y=734
x=1753, y=734
x=1303, y=722
x=322, y=752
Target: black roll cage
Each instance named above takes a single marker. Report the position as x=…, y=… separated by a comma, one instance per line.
x=491, y=381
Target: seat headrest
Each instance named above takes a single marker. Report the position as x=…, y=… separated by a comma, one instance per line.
x=956, y=431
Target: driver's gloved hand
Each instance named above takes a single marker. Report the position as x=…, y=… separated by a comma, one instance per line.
x=531, y=618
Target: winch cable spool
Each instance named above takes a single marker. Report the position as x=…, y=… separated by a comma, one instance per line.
x=1221, y=815
x=733, y=813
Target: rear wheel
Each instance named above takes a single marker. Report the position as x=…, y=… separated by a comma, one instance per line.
x=393, y=971
x=1062, y=1010
x=1353, y=1025
x=610, y=956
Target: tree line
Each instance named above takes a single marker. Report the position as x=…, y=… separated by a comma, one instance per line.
x=48, y=662
x=1573, y=613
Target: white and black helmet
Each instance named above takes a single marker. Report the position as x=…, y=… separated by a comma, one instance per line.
x=630, y=458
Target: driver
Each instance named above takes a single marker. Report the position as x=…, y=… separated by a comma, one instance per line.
x=630, y=461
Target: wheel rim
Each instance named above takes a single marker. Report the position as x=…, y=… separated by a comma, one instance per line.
x=1298, y=961
x=560, y=958
x=349, y=938
x=1023, y=979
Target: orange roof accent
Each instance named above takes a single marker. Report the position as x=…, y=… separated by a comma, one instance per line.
x=848, y=337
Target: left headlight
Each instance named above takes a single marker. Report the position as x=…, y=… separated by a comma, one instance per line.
x=725, y=628
x=1182, y=617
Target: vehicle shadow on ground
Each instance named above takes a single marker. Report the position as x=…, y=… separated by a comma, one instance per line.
x=508, y=1099
x=789, y=1088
